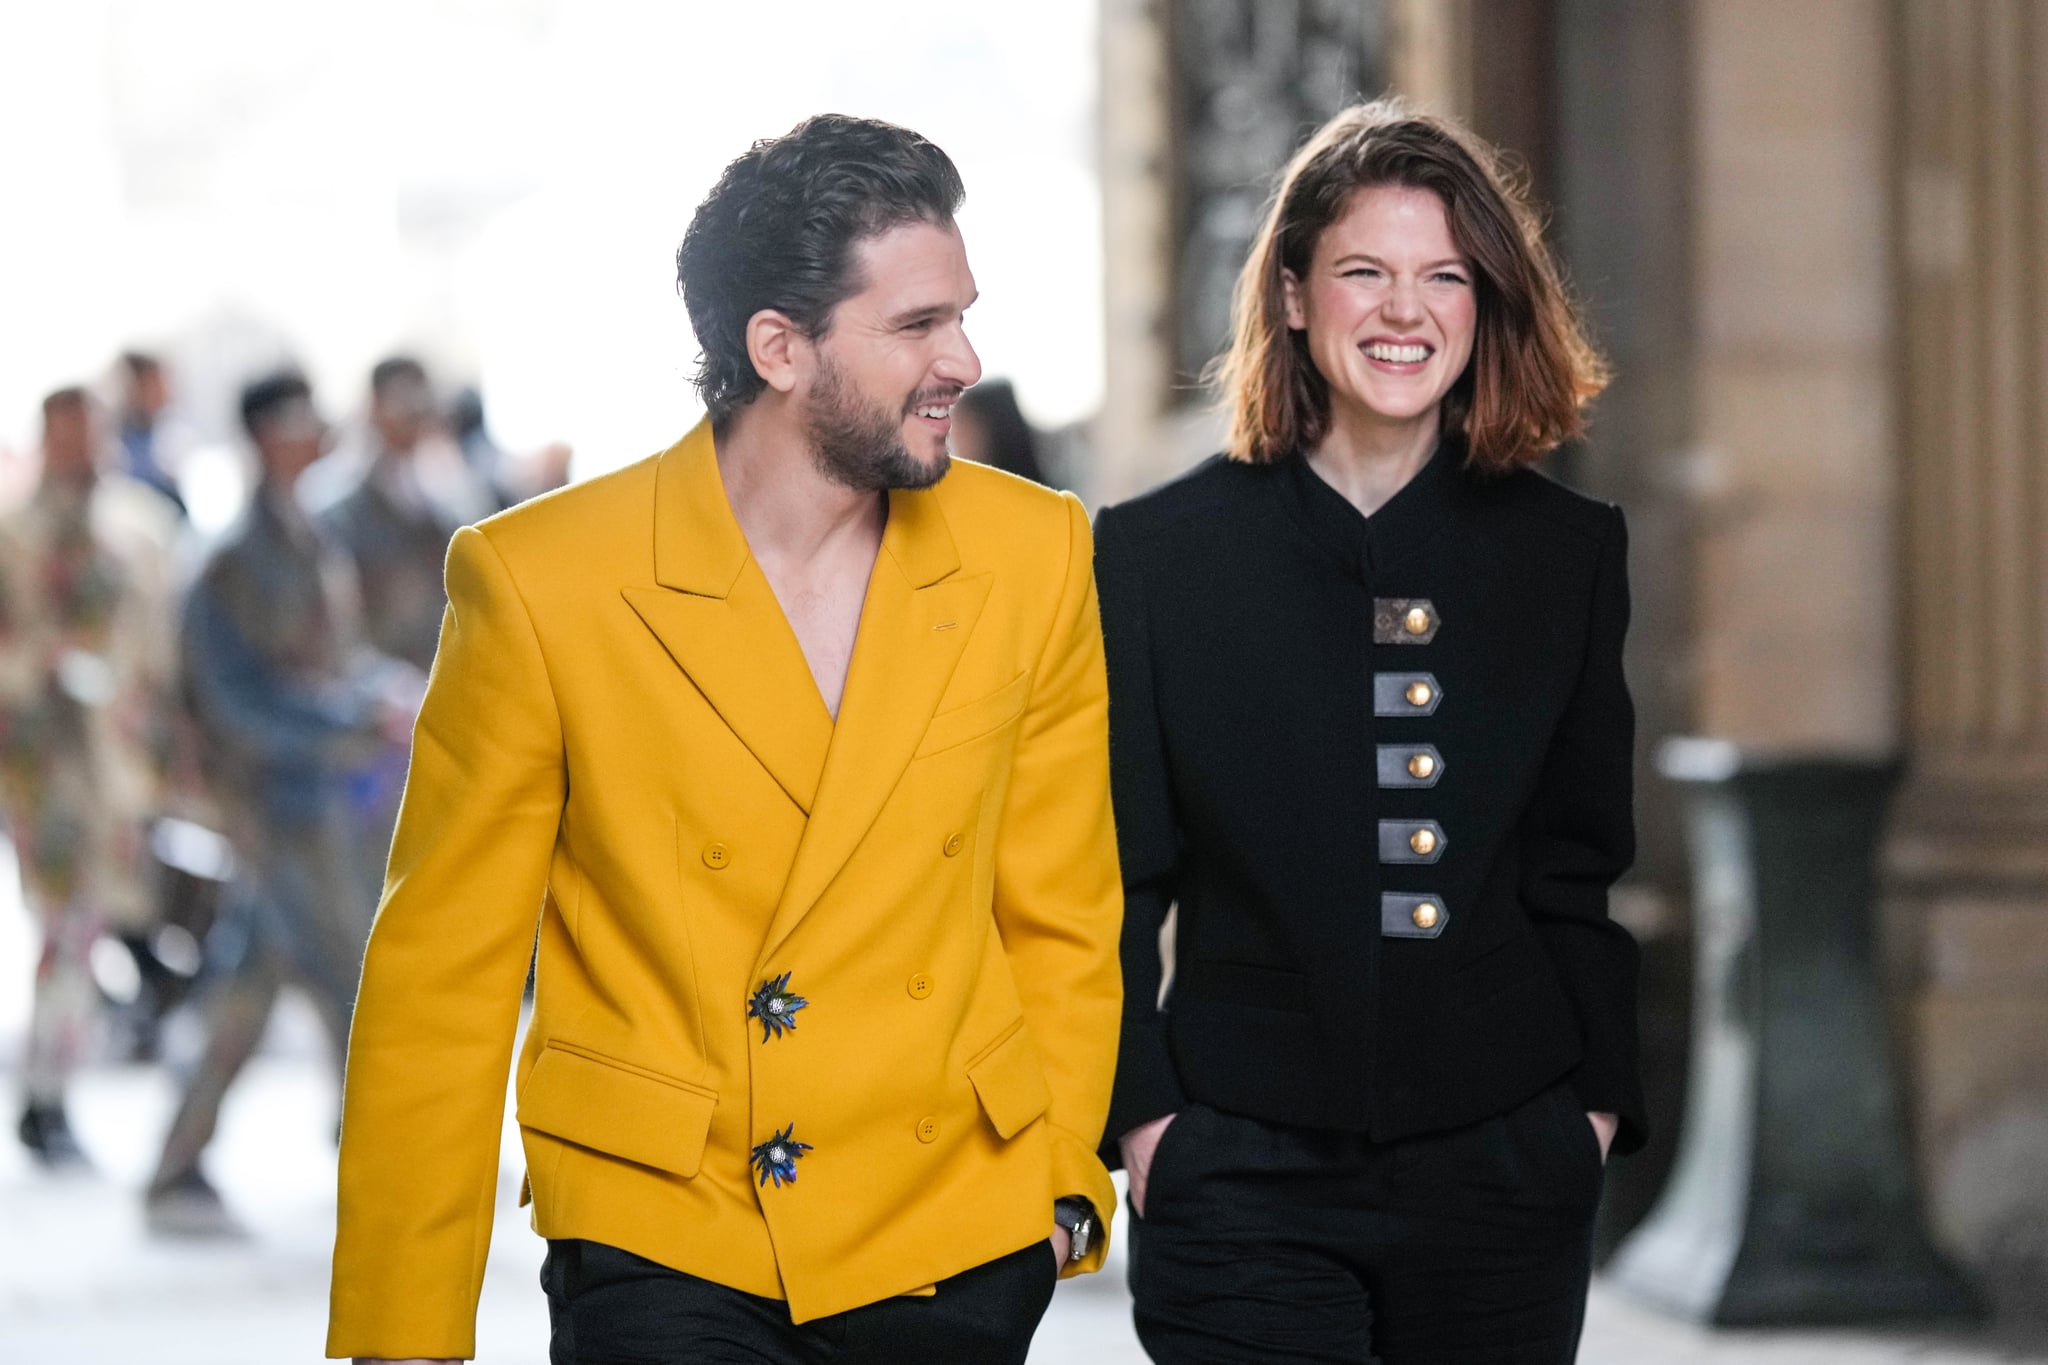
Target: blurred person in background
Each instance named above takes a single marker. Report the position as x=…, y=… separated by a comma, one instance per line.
x=395, y=523
x=158, y=449
x=486, y=459
x=509, y=479
x=85, y=654
x=289, y=699
x=149, y=443
x=398, y=517
x=989, y=428
x=1372, y=738
x=548, y=468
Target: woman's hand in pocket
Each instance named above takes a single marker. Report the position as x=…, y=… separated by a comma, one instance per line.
x=1138, y=1146
x=1605, y=1126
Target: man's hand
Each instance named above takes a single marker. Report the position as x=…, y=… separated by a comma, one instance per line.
x=1138, y=1146
x=1062, y=1245
x=1605, y=1126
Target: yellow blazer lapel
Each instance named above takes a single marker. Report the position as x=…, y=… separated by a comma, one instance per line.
x=717, y=617
x=914, y=625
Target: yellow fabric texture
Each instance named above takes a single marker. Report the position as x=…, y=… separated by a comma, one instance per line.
x=622, y=743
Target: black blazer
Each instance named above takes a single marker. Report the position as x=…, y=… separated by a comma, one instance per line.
x=1383, y=767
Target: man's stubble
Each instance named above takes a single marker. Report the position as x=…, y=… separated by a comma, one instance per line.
x=859, y=445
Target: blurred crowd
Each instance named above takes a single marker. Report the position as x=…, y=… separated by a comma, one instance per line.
x=203, y=737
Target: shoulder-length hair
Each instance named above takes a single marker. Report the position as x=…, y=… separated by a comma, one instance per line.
x=1532, y=369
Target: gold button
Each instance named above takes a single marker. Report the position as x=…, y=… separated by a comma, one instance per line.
x=1421, y=765
x=954, y=844
x=1420, y=693
x=927, y=1130
x=716, y=855
x=1425, y=916
x=1416, y=622
x=920, y=986
x=1423, y=842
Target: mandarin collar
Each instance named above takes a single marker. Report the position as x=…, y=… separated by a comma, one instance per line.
x=1370, y=545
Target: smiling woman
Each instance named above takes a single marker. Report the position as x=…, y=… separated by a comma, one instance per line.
x=1433, y=866
x=1387, y=308
x=1471, y=250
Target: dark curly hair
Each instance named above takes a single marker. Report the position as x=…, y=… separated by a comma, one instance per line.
x=779, y=228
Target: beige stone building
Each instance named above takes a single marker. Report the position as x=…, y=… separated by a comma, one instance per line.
x=1813, y=239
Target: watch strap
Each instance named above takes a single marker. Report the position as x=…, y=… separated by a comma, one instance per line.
x=1077, y=1216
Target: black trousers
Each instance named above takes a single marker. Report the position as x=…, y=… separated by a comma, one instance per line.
x=1265, y=1244
x=610, y=1307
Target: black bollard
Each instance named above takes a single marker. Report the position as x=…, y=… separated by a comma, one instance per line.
x=1792, y=1200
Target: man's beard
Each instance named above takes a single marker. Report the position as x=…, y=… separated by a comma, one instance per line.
x=858, y=445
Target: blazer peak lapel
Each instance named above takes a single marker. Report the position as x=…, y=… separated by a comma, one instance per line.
x=716, y=615
x=911, y=637
x=741, y=655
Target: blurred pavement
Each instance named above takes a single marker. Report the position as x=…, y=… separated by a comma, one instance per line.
x=82, y=1284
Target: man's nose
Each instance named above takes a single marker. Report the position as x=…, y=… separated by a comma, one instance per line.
x=959, y=364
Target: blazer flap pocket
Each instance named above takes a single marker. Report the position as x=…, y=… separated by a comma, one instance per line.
x=1010, y=1081
x=621, y=1110
x=978, y=717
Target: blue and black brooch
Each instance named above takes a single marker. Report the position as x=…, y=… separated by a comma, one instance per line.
x=775, y=1005
x=776, y=1158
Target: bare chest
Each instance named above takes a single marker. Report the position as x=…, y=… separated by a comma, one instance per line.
x=823, y=611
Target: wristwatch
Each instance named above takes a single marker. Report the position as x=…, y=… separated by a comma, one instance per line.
x=1077, y=1216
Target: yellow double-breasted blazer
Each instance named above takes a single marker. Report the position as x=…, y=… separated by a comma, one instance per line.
x=622, y=738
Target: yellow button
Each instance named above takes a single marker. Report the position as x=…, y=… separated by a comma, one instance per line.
x=1416, y=622
x=1425, y=916
x=1421, y=765
x=716, y=855
x=927, y=1130
x=954, y=844
x=1420, y=693
x=1423, y=842
x=920, y=986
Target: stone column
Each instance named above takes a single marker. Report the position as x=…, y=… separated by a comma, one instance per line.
x=1619, y=183
x=1793, y=1202
x=1432, y=58
x=1797, y=367
x=1137, y=220
x=1969, y=856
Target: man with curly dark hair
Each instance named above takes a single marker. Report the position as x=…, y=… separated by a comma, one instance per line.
x=797, y=743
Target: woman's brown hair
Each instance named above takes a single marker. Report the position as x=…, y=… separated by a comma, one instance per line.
x=1532, y=370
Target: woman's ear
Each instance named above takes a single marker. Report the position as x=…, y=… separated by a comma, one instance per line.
x=774, y=344
x=1290, y=301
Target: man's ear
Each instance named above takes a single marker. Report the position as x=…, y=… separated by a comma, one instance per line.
x=1290, y=301
x=778, y=348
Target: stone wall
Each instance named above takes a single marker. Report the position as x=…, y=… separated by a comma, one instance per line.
x=1969, y=858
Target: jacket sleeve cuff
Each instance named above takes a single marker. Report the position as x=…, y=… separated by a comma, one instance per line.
x=1078, y=1171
